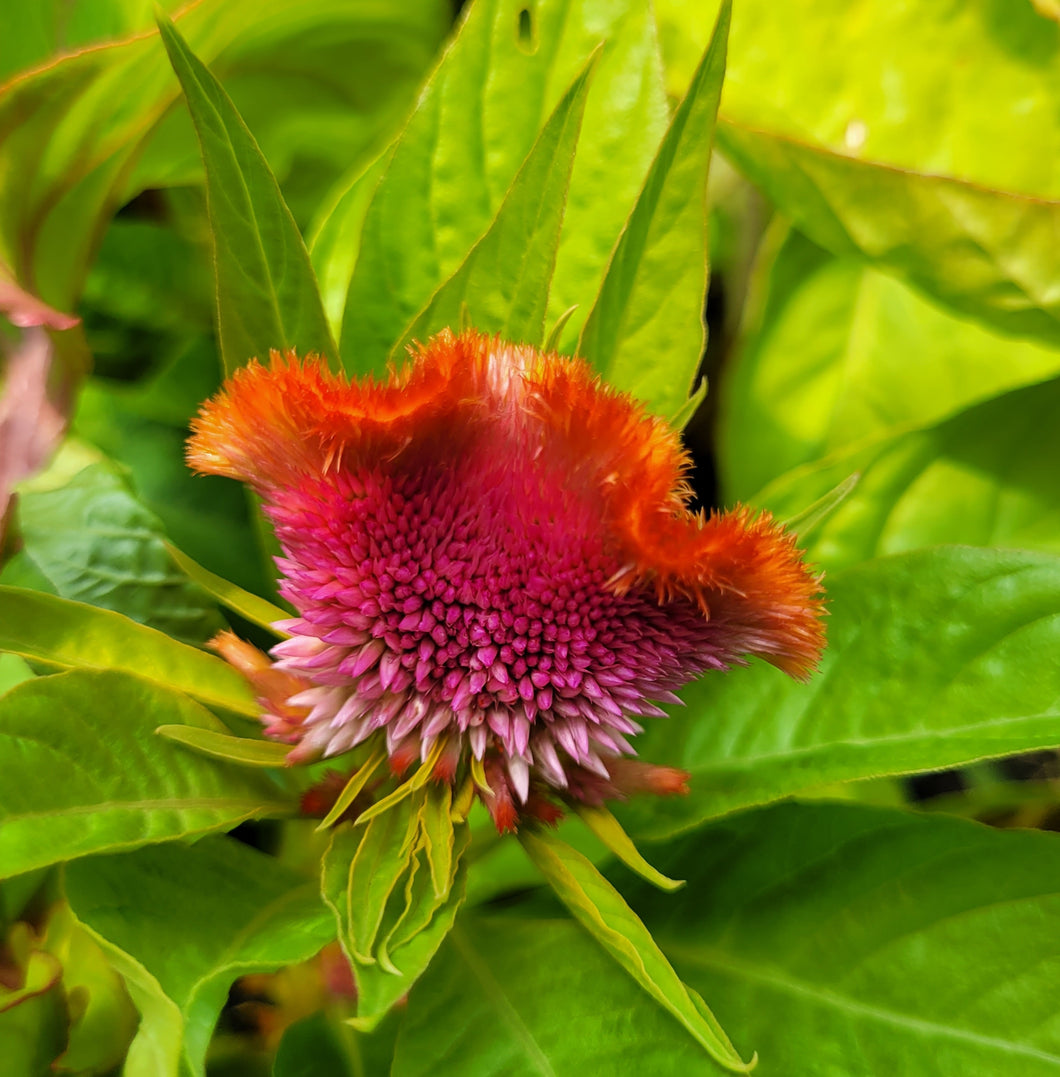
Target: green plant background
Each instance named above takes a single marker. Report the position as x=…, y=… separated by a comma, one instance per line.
x=877, y=199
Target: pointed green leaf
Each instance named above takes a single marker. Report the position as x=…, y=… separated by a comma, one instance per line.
x=645, y=333
x=380, y=883
x=468, y=137
x=353, y=788
x=255, y=609
x=361, y=869
x=686, y=412
x=987, y=254
x=504, y=280
x=599, y=907
x=805, y=522
x=182, y=923
x=244, y=750
x=69, y=635
x=927, y=667
x=608, y=829
x=82, y=771
x=267, y=295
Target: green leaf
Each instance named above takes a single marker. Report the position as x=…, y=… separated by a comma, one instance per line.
x=847, y=940
x=255, y=609
x=335, y=241
x=948, y=196
x=936, y=658
x=836, y=353
x=813, y=516
x=13, y=670
x=986, y=477
x=510, y=996
x=69, y=635
x=95, y=543
x=607, y=828
x=234, y=912
x=267, y=295
x=82, y=771
x=645, y=333
x=504, y=280
x=985, y=253
x=244, y=750
x=385, y=885
x=312, y=1047
x=470, y=134
x=353, y=788
x=600, y=909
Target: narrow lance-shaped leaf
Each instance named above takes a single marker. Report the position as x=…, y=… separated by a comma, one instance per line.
x=267, y=295
x=504, y=281
x=645, y=333
x=395, y=887
x=458, y=155
x=599, y=907
x=71, y=635
x=248, y=751
x=254, y=608
x=102, y=780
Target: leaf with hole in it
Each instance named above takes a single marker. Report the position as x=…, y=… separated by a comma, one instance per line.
x=934, y=661
x=599, y=908
x=468, y=137
x=645, y=333
x=96, y=543
x=254, y=608
x=504, y=281
x=267, y=295
x=105, y=780
x=70, y=635
x=247, y=751
x=234, y=910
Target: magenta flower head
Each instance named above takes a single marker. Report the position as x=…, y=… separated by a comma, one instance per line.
x=495, y=569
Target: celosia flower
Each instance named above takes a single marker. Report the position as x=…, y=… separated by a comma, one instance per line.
x=492, y=557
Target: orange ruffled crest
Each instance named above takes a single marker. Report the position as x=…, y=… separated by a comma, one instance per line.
x=272, y=425
x=738, y=565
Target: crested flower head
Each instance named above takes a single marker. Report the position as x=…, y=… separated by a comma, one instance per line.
x=494, y=567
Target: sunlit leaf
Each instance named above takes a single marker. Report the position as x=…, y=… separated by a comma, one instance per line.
x=986, y=477
x=646, y=333
x=470, y=134
x=246, y=751
x=836, y=353
x=503, y=282
x=71, y=635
